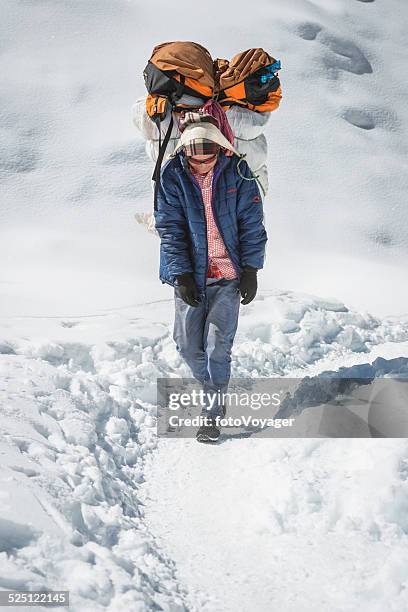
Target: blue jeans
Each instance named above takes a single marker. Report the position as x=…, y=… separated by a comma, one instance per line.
x=204, y=336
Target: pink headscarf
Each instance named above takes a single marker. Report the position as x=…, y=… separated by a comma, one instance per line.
x=214, y=108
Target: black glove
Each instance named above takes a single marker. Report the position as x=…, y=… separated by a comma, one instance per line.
x=248, y=284
x=188, y=289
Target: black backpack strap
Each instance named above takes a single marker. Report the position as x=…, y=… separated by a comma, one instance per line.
x=162, y=149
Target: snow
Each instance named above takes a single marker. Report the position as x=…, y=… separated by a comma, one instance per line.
x=90, y=500
x=70, y=150
x=72, y=460
x=294, y=530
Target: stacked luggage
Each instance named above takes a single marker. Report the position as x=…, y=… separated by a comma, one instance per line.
x=182, y=76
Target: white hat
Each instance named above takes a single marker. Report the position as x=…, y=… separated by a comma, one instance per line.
x=203, y=131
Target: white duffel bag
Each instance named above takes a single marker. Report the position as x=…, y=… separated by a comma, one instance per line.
x=246, y=125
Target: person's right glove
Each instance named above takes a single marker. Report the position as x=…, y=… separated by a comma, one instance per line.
x=188, y=289
x=248, y=284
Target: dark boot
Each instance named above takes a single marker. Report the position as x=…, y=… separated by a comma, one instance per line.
x=208, y=432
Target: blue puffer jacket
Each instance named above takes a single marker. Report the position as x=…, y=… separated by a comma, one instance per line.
x=181, y=223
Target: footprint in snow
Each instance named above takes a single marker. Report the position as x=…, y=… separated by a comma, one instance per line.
x=359, y=118
x=25, y=470
x=368, y=119
x=346, y=55
x=308, y=30
x=14, y=535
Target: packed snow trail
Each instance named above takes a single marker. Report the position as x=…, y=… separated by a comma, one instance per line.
x=292, y=525
x=92, y=502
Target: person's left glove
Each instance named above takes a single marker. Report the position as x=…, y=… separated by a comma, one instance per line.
x=248, y=285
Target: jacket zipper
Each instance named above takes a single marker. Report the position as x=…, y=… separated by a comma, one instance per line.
x=219, y=228
x=193, y=180
x=215, y=179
